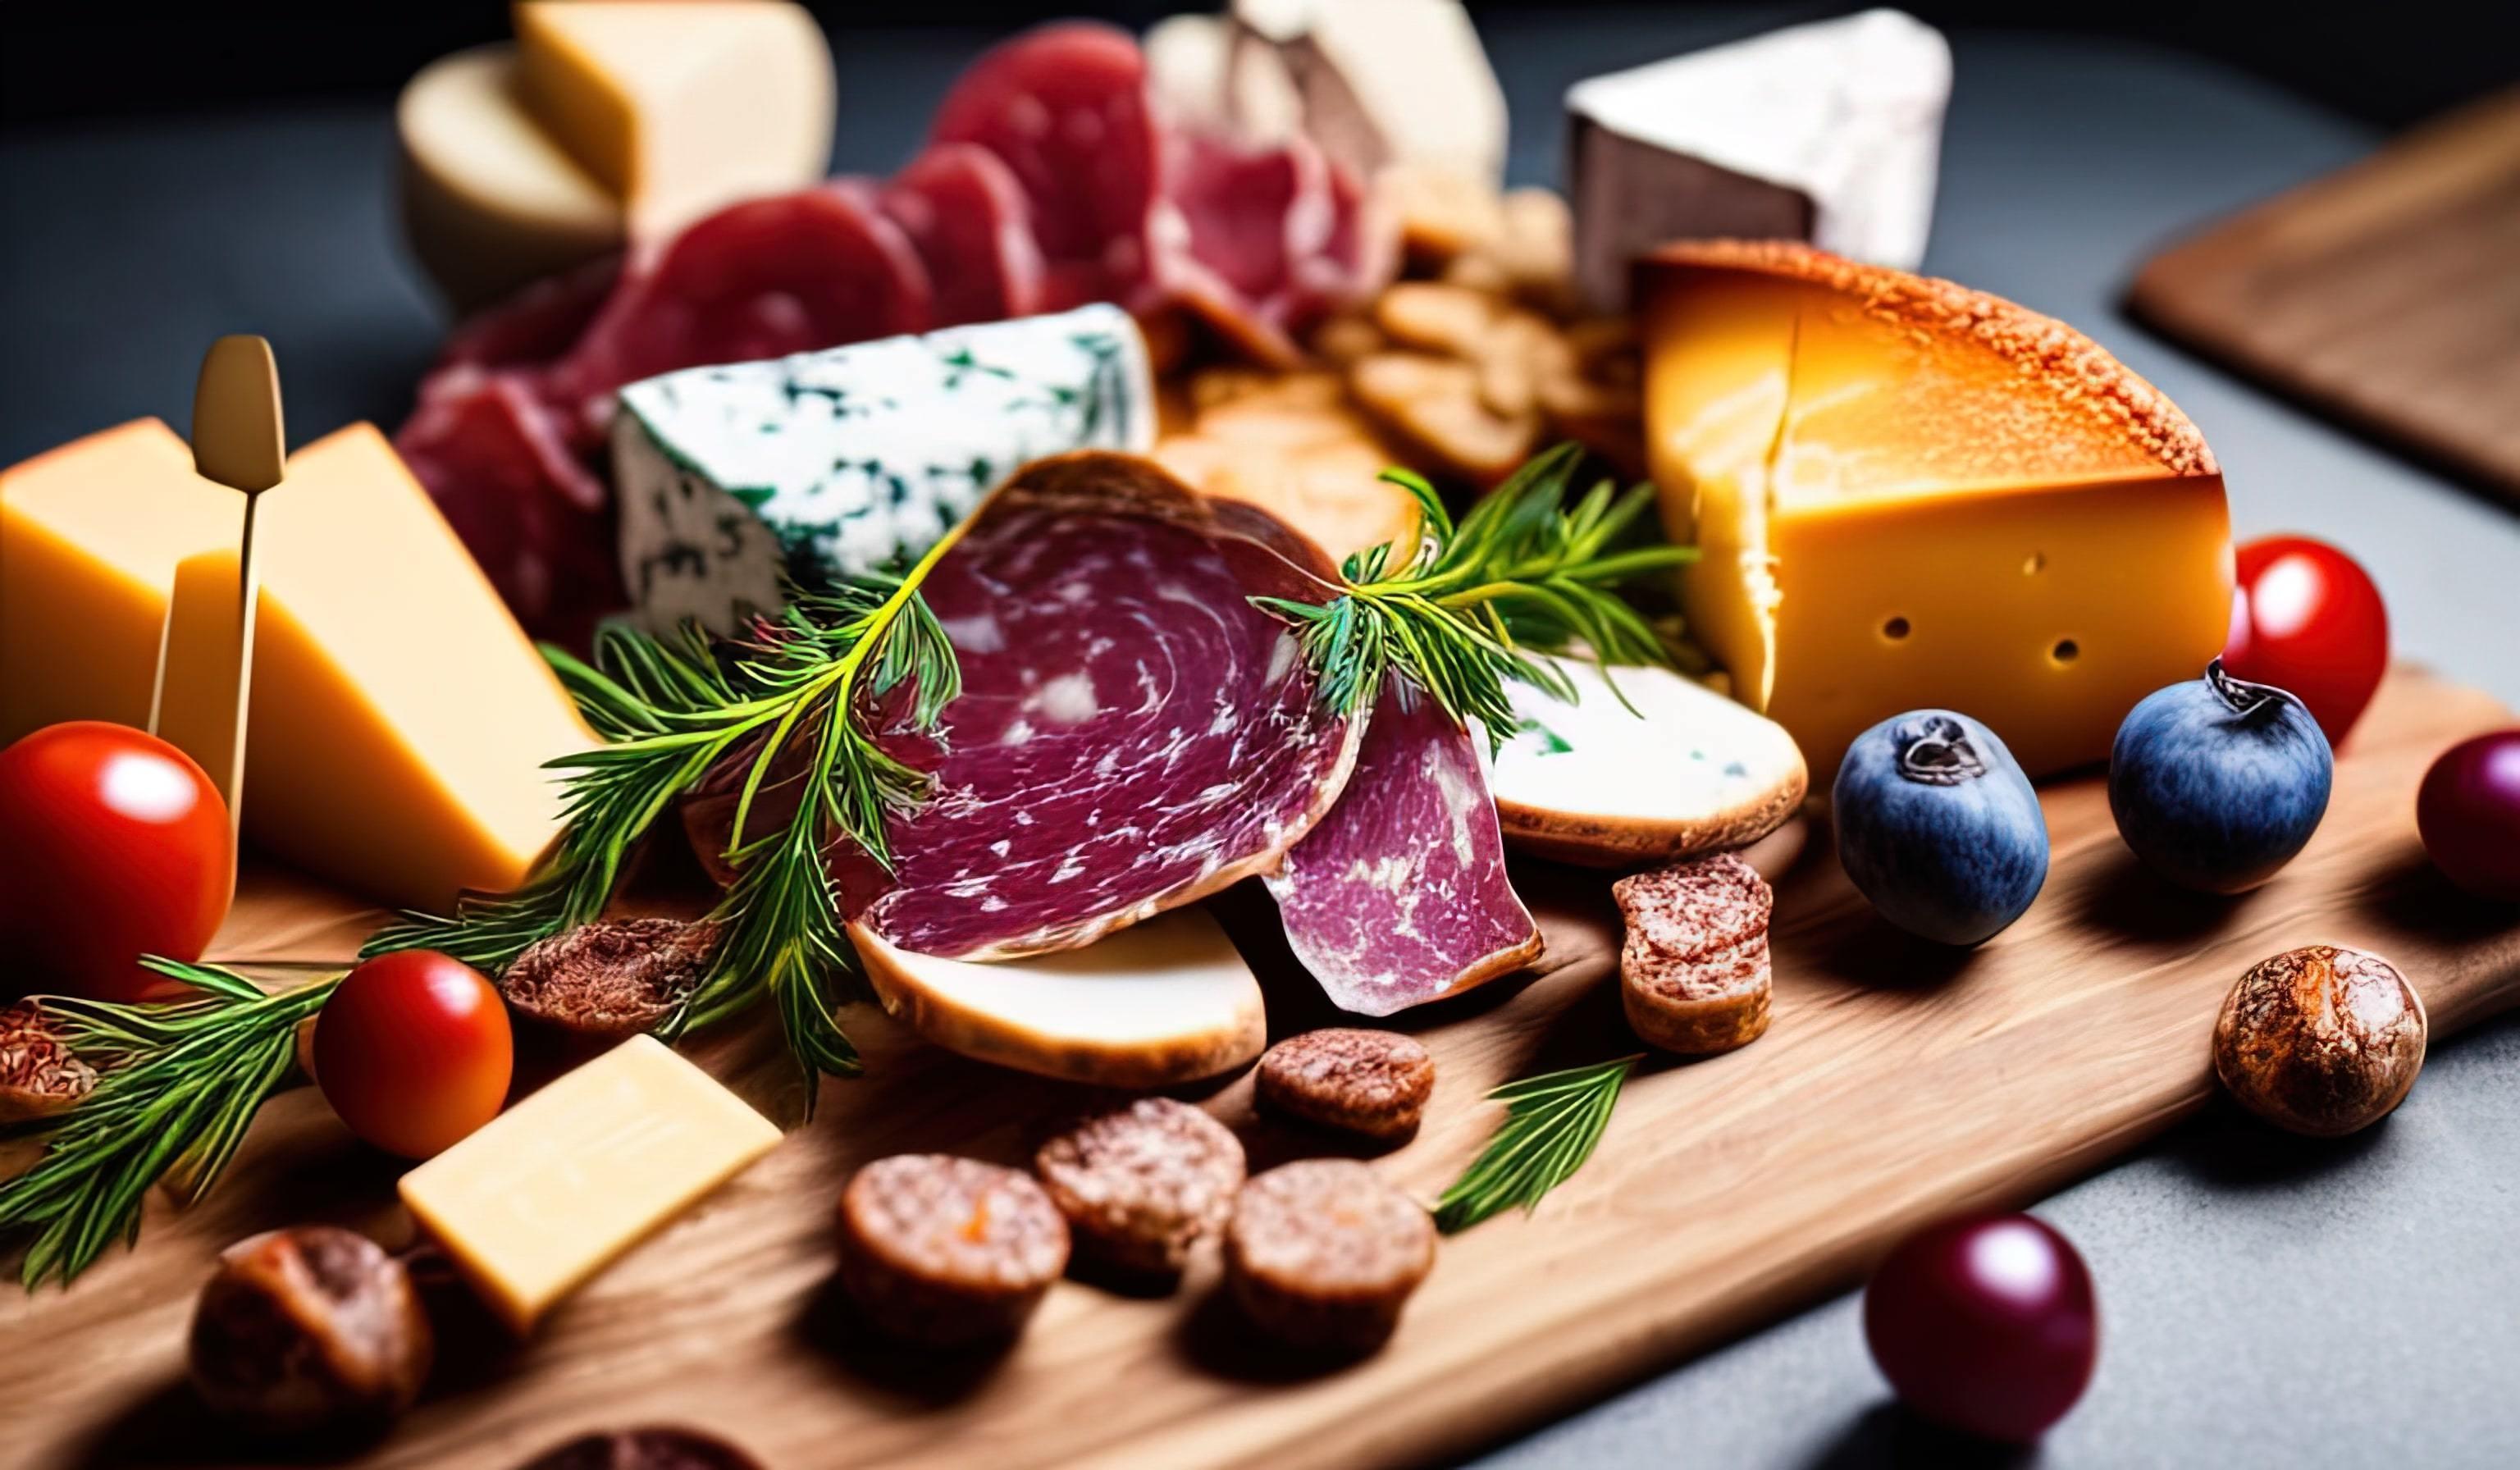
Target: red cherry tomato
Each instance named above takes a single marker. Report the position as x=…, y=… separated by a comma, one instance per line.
x=2468, y=811
x=413, y=1050
x=112, y=845
x=2306, y=618
x=1984, y=1323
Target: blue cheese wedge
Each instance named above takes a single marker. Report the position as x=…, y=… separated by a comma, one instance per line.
x=1676, y=771
x=834, y=464
x=1828, y=132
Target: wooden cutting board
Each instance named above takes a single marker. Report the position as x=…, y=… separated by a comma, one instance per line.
x=1900, y=1082
x=2387, y=294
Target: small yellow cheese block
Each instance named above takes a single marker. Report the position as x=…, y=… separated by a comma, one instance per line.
x=490, y=202
x=90, y=534
x=1907, y=494
x=549, y=1192
x=679, y=108
x=400, y=718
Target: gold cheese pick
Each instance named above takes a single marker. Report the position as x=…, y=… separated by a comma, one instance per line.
x=237, y=442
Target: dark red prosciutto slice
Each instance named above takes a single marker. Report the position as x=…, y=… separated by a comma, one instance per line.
x=1400, y=896
x=1132, y=734
x=965, y=212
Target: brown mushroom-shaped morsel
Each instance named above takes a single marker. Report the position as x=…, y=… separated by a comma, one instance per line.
x=1373, y=1084
x=1321, y=1255
x=948, y=1252
x=2322, y=1040
x=612, y=977
x=309, y=1332
x=39, y=1075
x=1142, y=1183
x=662, y=1447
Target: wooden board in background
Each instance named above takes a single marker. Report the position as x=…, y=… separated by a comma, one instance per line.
x=1900, y=1082
x=2387, y=293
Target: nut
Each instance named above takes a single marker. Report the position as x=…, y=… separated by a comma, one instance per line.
x=312, y=1330
x=2322, y=1040
x=39, y=1075
x=659, y=1448
x=1370, y=1083
x=612, y=977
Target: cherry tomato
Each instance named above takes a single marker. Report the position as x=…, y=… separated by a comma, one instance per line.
x=113, y=844
x=2468, y=811
x=413, y=1050
x=1984, y=1323
x=2306, y=618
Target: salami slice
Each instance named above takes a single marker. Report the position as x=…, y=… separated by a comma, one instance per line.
x=1132, y=734
x=538, y=325
x=1400, y=896
x=964, y=211
x=1065, y=108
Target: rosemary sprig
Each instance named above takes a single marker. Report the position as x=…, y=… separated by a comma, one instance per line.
x=1442, y=607
x=673, y=710
x=1551, y=1121
x=177, y=1084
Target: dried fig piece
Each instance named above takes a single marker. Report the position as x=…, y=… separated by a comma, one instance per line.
x=39, y=1075
x=654, y=1448
x=2322, y=1041
x=1433, y=404
x=312, y=1330
x=612, y=977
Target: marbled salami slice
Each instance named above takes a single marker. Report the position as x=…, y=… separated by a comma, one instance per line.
x=965, y=212
x=1132, y=734
x=1065, y=107
x=1399, y=895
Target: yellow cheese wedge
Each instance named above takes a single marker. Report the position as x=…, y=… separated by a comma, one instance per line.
x=1910, y=494
x=489, y=201
x=680, y=108
x=90, y=534
x=400, y=718
x=550, y=1191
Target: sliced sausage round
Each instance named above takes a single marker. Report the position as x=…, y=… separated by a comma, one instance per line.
x=1372, y=1083
x=947, y=1251
x=1142, y=1184
x=1322, y=1254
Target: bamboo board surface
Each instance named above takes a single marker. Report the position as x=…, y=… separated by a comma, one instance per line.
x=2387, y=293
x=1898, y=1083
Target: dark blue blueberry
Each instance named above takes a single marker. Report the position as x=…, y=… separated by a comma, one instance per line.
x=1937, y=826
x=2217, y=783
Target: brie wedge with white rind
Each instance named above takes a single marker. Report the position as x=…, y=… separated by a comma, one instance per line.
x=1688, y=771
x=1386, y=83
x=1828, y=132
x=1163, y=1001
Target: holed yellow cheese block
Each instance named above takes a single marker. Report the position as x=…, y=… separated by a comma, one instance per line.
x=90, y=534
x=680, y=107
x=400, y=718
x=1910, y=494
x=550, y=1191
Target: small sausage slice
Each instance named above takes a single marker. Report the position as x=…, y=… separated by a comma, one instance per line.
x=1323, y=1253
x=947, y=1251
x=1143, y=1183
x=1358, y=1080
x=1694, y=972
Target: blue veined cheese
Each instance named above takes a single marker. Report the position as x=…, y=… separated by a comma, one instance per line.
x=834, y=463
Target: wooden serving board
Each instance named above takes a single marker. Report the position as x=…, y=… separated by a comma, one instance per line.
x=1900, y=1082
x=2387, y=293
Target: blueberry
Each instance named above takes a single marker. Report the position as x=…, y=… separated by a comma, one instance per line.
x=1937, y=826
x=2217, y=783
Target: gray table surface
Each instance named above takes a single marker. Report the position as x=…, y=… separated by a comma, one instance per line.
x=2265, y=1303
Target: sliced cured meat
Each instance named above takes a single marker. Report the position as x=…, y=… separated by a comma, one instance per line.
x=1399, y=895
x=1132, y=734
x=532, y=514
x=1260, y=242
x=792, y=273
x=1065, y=106
x=538, y=325
x=964, y=211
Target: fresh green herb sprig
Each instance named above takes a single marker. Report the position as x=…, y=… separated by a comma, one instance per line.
x=673, y=710
x=1552, y=1122
x=1442, y=607
x=177, y=1082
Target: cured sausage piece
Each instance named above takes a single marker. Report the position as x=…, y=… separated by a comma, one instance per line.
x=1400, y=896
x=1065, y=107
x=964, y=210
x=1143, y=1183
x=947, y=1251
x=1323, y=1253
x=1132, y=735
x=1694, y=970
x=1373, y=1084
x=664, y=1447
